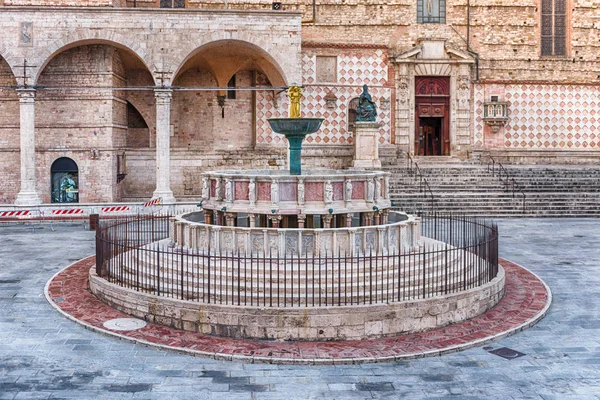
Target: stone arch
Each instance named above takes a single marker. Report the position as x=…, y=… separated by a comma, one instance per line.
x=88, y=38
x=224, y=57
x=10, y=59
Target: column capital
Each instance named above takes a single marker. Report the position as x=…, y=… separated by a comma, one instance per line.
x=163, y=94
x=26, y=94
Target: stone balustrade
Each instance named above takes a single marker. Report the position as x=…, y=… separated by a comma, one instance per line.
x=267, y=192
x=393, y=238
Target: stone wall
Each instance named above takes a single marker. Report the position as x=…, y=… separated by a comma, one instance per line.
x=541, y=117
x=306, y=323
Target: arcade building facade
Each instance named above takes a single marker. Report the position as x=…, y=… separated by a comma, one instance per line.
x=112, y=100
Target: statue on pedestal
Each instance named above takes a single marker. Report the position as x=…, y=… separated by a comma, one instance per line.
x=366, y=110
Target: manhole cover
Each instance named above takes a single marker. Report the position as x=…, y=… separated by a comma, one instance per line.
x=124, y=324
x=507, y=353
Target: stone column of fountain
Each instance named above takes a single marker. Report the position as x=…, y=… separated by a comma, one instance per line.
x=295, y=128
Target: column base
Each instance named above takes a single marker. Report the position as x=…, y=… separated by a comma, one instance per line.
x=166, y=196
x=366, y=164
x=28, y=199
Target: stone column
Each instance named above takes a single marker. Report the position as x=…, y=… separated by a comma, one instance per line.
x=377, y=218
x=27, y=196
x=301, y=220
x=230, y=218
x=327, y=221
x=275, y=220
x=163, y=146
x=349, y=217
x=252, y=220
x=208, y=216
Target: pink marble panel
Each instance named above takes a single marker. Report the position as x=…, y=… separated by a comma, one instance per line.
x=288, y=191
x=313, y=191
x=358, y=190
x=264, y=191
x=241, y=190
x=338, y=191
x=213, y=188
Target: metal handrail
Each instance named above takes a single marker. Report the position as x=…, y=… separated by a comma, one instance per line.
x=424, y=186
x=509, y=182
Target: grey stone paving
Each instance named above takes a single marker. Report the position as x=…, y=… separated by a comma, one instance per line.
x=45, y=356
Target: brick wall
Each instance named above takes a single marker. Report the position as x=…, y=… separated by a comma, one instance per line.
x=9, y=136
x=69, y=123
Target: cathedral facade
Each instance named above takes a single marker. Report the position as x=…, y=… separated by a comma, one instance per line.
x=113, y=100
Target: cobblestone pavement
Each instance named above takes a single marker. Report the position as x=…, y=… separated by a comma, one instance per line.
x=45, y=356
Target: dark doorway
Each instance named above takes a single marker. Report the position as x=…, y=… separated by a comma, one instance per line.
x=430, y=136
x=432, y=128
x=65, y=181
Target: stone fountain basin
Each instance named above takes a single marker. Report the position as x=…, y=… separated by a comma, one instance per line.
x=295, y=126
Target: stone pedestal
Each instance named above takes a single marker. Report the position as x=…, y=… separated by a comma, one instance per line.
x=366, y=145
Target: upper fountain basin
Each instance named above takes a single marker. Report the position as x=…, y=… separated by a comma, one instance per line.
x=295, y=126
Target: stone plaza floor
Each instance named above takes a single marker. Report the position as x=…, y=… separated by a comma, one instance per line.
x=45, y=356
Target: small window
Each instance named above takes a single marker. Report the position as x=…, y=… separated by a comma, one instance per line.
x=327, y=69
x=172, y=3
x=431, y=11
x=231, y=84
x=554, y=28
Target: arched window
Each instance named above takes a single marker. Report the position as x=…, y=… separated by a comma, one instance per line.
x=65, y=181
x=352, y=106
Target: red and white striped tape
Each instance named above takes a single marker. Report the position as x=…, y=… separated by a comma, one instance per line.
x=115, y=209
x=153, y=202
x=68, y=211
x=15, y=213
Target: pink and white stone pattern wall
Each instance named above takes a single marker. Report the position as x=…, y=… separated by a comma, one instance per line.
x=353, y=71
x=553, y=117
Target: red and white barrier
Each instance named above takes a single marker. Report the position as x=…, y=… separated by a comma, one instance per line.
x=68, y=211
x=115, y=209
x=22, y=213
x=153, y=202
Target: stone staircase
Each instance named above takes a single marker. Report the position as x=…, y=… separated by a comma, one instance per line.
x=540, y=191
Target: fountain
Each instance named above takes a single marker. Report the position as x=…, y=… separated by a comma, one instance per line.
x=317, y=255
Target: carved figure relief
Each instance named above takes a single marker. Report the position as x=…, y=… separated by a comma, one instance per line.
x=205, y=192
x=348, y=184
x=386, y=181
x=377, y=189
x=228, y=191
x=300, y=191
x=328, y=192
x=252, y=191
x=218, y=189
x=403, y=89
x=274, y=192
x=370, y=190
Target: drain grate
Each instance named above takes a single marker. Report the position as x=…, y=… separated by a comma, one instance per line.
x=507, y=353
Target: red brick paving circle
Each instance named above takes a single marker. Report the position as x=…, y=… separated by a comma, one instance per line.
x=526, y=301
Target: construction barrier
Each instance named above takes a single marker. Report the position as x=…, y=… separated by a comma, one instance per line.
x=20, y=213
x=153, y=202
x=115, y=209
x=68, y=211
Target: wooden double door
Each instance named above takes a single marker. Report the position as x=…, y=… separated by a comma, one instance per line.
x=432, y=99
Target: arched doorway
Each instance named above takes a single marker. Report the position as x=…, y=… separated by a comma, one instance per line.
x=65, y=181
x=432, y=136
